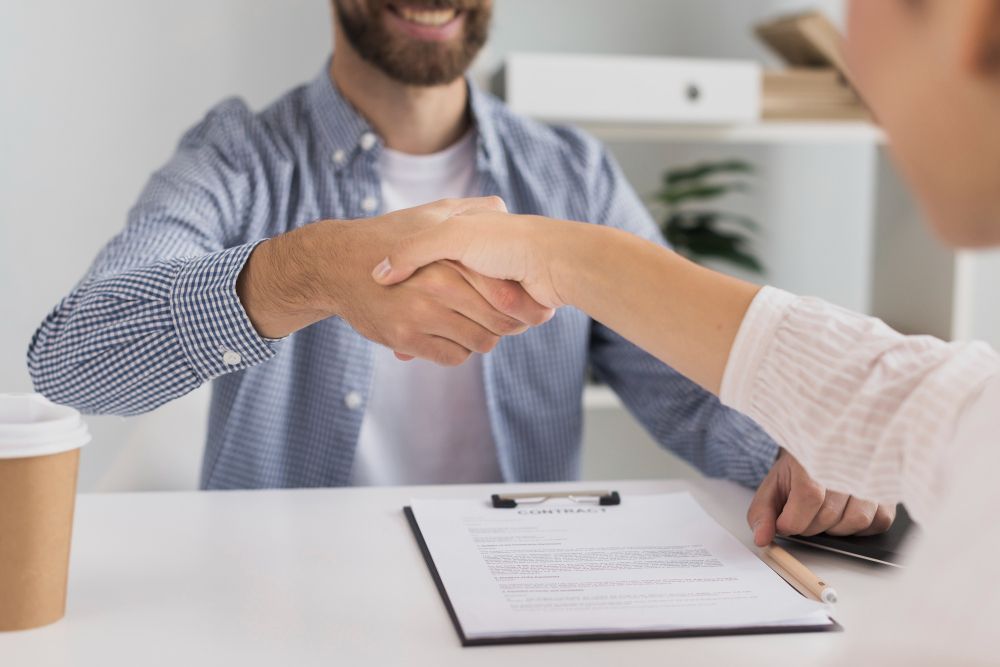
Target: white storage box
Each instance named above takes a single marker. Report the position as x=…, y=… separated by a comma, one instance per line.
x=560, y=87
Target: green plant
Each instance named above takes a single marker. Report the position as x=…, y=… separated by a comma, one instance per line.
x=700, y=233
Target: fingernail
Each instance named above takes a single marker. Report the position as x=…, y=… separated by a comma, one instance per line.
x=382, y=270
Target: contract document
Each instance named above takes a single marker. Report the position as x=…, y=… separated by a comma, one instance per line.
x=653, y=566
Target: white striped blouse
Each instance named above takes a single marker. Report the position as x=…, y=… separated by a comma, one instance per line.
x=893, y=418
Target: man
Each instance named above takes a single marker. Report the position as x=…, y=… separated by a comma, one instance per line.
x=191, y=291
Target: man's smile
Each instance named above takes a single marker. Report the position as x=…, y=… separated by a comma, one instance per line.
x=438, y=24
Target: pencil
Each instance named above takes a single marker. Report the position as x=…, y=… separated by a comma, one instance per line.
x=802, y=574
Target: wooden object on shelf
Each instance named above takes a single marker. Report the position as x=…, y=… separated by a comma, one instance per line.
x=815, y=86
x=805, y=40
x=809, y=93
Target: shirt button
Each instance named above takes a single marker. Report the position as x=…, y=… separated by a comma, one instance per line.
x=368, y=141
x=369, y=204
x=353, y=400
x=231, y=358
x=339, y=156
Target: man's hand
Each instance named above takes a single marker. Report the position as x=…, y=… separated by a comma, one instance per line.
x=444, y=312
x=789, y=502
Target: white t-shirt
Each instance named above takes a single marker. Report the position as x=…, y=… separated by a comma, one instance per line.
x=426, y=424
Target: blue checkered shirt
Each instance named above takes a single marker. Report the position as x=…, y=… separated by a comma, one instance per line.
x=157, y=314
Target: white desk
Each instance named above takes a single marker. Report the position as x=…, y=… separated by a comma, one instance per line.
x=332, y=577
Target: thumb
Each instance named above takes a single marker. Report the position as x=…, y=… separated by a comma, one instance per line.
x=444, y=241
x=763, y=513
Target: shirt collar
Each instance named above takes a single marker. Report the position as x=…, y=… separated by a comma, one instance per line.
x=346, y=134
x=489, y=156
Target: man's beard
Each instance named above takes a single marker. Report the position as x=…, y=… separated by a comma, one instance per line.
x=410, y=61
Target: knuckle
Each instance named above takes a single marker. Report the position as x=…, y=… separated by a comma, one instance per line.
x=541, y=315
x=827, y=516
x=885, y=516
x=423, y=309
x=881, y=523
x=863, y=516
x=448, y=206
x=487, y=343
x=852, y=524
x=406, y=339
x=813, y=493
x=433, y=281
x=506, y=297
x=856, y=520
x=868, y=511
x=396, y=333
x=858, y=523
x=507, y=326
x=452, y=358
x=494, y=201
x=787, y=526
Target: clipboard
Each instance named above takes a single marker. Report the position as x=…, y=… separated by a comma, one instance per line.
x=501, y=502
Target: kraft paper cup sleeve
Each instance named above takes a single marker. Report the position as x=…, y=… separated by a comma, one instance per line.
x=39, y=459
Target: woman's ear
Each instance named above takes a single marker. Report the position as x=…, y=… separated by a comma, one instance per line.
x=979, y=41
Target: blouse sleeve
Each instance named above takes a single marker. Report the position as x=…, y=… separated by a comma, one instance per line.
x=865, y=409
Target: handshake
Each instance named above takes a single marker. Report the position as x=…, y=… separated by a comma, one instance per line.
x=448, y=279
x=443, y=312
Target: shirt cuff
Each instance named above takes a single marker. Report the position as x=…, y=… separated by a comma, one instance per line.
x=751, y=345
x=214, y=330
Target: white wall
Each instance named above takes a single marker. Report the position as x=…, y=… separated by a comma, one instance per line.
x=94, y=97
x=95, y=94
x=977, y=312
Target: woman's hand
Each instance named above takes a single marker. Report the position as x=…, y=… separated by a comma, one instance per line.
x=790, y=502
x=524, y=249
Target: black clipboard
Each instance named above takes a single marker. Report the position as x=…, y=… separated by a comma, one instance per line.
x=596, y=636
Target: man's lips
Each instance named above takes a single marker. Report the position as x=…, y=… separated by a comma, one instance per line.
x=425, y=24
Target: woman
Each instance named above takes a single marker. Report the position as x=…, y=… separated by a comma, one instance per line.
x=866, y=410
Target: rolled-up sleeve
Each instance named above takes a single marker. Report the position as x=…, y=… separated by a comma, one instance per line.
x=158, y=313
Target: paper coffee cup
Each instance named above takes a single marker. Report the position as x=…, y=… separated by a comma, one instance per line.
x=39, y=456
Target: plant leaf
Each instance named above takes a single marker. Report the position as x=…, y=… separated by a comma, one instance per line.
x=700, y=171
x=697, y=237
x=699, y=233
x=678, y=195
x=714, y=219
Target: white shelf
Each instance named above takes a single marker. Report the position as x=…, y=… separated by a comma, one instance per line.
x=797, y=132
x=600, y=397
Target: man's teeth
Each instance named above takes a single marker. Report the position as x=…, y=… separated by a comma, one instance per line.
x=429, y=17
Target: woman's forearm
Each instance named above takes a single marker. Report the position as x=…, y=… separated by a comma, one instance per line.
x=683, y=314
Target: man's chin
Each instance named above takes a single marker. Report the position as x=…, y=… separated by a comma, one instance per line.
x=428, y=78
x=423, y=64
x=416, y=45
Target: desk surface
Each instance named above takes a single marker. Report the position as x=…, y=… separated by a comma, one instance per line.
x=332, y=577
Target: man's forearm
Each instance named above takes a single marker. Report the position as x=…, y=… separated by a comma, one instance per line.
x=685, y=315
x=323, y=270
x=277, y=289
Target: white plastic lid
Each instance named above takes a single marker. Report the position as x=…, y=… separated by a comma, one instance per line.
x=31, y=425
